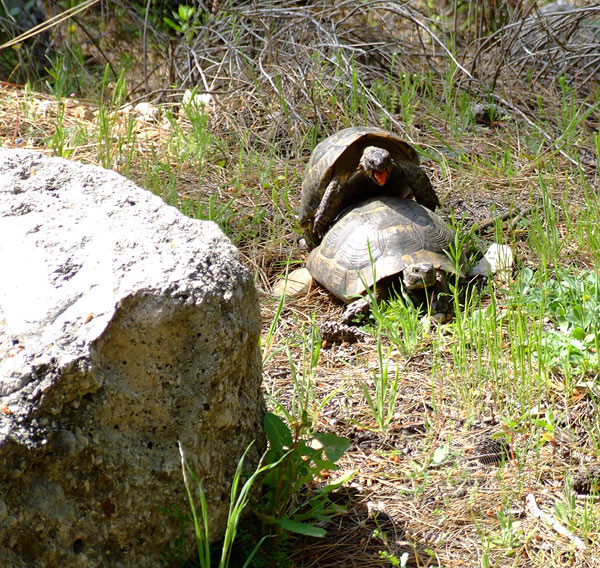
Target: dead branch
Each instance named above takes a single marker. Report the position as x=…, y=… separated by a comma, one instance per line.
x=534, y=510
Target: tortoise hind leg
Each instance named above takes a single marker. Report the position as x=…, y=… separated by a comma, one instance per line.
x=421, y=187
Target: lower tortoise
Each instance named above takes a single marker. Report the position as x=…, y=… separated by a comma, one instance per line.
x=382, y=240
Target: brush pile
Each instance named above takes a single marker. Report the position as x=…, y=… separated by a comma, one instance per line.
x=299, y=62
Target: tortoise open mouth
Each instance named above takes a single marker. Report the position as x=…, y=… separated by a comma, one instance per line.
x=381, y=176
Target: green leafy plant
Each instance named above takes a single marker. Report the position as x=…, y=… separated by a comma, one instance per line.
x=182, y=21
x=548, y=425
x=388, y=554
x=549, y=325
x=293, y=498
x=572, y=304
x=510, y=535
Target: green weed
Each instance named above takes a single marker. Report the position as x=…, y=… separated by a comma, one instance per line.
x=59, y=87
x=109, y=117
x=571, y=305
x=401, y=320
x=383, y=403
x=302, y=459
x=239, y=499
x=304, y=407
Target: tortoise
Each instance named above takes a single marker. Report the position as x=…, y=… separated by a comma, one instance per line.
x=353, y=164
x=382, y=240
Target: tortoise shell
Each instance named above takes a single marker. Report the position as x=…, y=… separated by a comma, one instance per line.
x=339, y=156
x=387, y=234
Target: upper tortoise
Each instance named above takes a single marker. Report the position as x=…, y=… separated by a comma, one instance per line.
x=352, y=165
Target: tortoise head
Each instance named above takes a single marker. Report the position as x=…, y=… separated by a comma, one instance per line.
x=311, y=239
x=377, y=163
x=419, y=275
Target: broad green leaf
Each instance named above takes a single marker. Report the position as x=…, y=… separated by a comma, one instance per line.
x=340, y=481
x=334, y=446
x=278, y=433
x=301, y=528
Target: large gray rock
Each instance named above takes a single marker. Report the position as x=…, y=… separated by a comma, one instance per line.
x=124, y=327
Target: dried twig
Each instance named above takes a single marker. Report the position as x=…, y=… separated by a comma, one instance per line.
x=532, y=508
x=514, y=217
x=544, y=46
x=289, y=62
x=50, y=23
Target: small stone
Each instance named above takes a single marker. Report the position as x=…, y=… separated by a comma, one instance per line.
x=224, y=419
x=488, y=114
x=298, y=284
x=438, y=318
x=204, y=101
x=64, y=443
x=497, y=260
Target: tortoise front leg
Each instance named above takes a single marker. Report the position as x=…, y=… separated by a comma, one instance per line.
x=357, y=308
x=361, y=306
x=328, y=208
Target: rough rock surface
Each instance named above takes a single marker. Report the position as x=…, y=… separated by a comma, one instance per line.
x=124, y=327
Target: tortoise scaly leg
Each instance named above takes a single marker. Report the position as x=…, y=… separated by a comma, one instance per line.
x=361, y=306
x=328, y=208
x=357, y=308
x=421, y=187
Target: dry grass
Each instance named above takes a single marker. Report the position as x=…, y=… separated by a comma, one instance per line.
x=545, y=44
x=440, y=514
